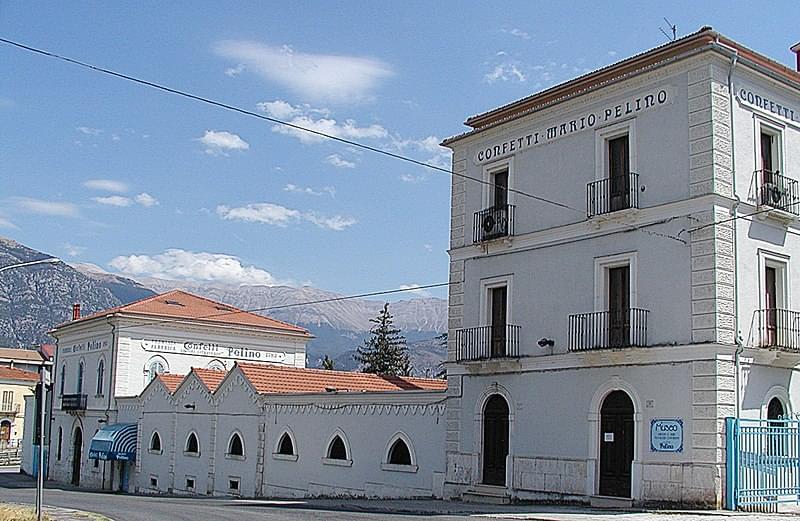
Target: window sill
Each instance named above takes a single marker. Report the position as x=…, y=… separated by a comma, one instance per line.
x=234, y=457
x=392, y=467
x=337, y=462
x=156, y=452
x=191, y=454
x=285, y=457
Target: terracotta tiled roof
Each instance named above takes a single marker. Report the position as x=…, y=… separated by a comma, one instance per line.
x=171, y=381
x=47, y=350
x=8, y=373
x=706, y=36
x=180, y=304
x=211, y=378
x=275, y=379
x=20, y=355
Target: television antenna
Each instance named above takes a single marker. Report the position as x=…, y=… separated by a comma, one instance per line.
x=672, y=28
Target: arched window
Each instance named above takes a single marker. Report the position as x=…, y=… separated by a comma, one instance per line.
x=80, y=377
x=235, y=445
x=58, y=447
x=63, y=379
x=192, y=446
x=155, y=442
x=155, y=366
x=216, y=365
x=337, y=449
x=101, y=369
x=399, y=453
x=285, y=446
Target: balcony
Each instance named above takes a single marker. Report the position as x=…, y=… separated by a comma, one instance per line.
x=487, y=342
x=612, y=194
x=608, y=329
x=9, y=409
x=774, y=191
x=493, y=223
x=73, y=402
x=778, y=328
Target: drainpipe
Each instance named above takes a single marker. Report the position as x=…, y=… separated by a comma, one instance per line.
x=734, y=212
x=110, y=390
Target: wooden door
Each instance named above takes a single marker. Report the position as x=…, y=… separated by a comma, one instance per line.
x=619, y=306
x=500, y=199
x=499, y=317
x=77, y=455
x=495, y=441
x=771, y=302
x=616, y=445
x=5, y=432
x=619, y=172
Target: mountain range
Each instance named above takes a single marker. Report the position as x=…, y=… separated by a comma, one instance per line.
x=36, y=298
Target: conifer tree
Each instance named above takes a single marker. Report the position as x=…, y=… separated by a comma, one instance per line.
x=385, y=351
x=328, y=363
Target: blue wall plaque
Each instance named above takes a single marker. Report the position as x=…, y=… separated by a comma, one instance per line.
x=666, y=435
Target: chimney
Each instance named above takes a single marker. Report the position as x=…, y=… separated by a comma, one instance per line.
x=76, y=311
x=796, y=50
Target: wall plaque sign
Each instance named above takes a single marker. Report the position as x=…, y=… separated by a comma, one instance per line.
x=666, y=435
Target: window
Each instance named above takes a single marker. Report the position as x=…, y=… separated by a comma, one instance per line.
x=337, y=449
x=155, y=366
x=153, y=482
x=192, y=446
x=235, y=446
x=233, y=485
x=216, y=365
x=63, y=379
x=769, y=149
x=190, y=484
x=8, y=401
x=285, y=446
x=155, y=442
x=80, y=377
x=399, y=453
x=496, y=313
x=58, y=447
x=100, y=373
x=499, y=187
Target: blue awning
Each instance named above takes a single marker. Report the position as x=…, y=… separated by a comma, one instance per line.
x=114, y=442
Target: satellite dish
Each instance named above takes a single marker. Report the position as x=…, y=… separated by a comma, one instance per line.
x=488, y=223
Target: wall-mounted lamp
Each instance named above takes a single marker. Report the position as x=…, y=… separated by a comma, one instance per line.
x=189, y=406
x=546, y=342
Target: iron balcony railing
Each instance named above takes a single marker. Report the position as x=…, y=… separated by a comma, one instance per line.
x=612, y=194
x=778, y=328
x=608, y=329
x=9, y=409
x=493, y=223
x=485, y=342
x=777, y=191
x=73, y=402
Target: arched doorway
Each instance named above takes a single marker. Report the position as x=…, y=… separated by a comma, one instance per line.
x=77, y=455
x=616, y=445
x=495, y=440
x=5, y=432
x=775, y=410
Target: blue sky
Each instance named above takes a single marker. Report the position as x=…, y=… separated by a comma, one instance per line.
x=95, y=169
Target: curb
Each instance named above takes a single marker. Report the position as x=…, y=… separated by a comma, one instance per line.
x=64, y=514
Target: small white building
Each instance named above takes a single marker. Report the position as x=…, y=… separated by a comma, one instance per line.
x=624, y=251
x=117, y=352
x=274, y=431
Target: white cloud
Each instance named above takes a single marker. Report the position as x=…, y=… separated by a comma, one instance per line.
x=408, y=178
x=220, y=142
x=412, y=289
x=5, y=223
x=277, y=215
x=113, y=200
x=437, y=155
x=89, y=131
x=235, y=71
x=106, y=185
x=310, y=191
x=314, y=76
x=504, y=72
x=339, y=162
x=39, y=206
x=318, y=120
x=195, y=266
x=73, y=250
x=146, y=200
x=612, y=53
x=428, y=247
x=519, y=33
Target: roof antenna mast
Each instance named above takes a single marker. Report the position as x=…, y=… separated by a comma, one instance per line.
x=672, y=28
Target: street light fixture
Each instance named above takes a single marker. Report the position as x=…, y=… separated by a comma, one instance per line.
x=49, y=260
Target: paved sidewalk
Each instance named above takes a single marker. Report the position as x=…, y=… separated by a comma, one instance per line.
x=65, y=514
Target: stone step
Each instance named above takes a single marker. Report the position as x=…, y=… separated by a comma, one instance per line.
x=487, y=494
x=611, y=503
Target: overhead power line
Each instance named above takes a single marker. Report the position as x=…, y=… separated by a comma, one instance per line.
x=325, y=135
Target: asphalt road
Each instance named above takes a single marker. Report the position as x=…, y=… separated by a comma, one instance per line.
x=17, y=488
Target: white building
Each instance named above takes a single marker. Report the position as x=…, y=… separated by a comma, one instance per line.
x=266, y=430
x=117, y=352
x=622, y=235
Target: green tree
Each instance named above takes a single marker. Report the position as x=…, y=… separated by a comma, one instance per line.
x=328, y=363
x=385, y=351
